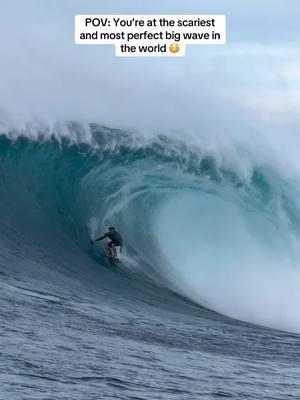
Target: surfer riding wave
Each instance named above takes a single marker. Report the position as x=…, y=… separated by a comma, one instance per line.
x=115, y=241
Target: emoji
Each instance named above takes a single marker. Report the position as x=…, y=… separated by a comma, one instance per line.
x=174, y=48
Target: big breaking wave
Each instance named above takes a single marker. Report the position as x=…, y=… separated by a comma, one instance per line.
x=190, y=220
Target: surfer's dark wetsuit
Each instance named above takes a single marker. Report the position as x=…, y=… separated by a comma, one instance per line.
x=115, y=238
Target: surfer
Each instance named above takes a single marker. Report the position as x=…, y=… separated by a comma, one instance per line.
x=115, y=241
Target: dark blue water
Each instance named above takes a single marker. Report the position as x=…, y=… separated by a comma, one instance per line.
x=180, y=317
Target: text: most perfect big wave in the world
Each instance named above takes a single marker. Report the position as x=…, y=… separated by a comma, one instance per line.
x=150, y=35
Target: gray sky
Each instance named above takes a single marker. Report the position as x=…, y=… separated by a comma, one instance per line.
x=43, y=74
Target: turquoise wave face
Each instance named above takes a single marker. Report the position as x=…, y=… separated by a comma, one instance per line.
x=188, y=220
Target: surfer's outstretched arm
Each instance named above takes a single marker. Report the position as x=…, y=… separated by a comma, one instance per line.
x=101, y=238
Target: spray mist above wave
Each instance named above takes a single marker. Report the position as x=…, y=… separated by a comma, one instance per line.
x=218, y=235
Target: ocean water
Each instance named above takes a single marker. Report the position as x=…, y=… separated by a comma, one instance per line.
x=204, y=304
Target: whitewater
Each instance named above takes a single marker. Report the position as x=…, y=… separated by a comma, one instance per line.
x=205, y=301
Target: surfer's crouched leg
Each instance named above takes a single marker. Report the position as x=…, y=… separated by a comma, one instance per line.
x=111, y=248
